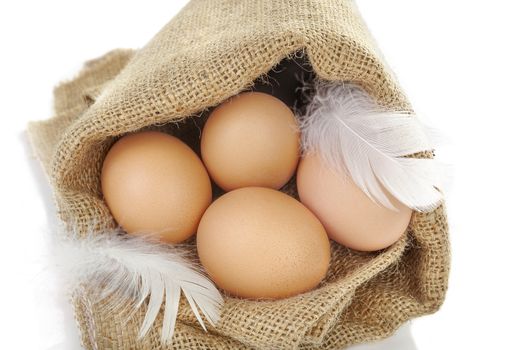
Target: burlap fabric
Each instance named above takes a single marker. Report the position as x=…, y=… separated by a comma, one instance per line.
x=212, y=50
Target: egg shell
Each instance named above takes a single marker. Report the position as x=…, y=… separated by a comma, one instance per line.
x=349, y=216
x=153, y=183
x=251, y=139
x=263, y=244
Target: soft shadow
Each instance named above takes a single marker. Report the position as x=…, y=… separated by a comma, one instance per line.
x=401, y=340
x=39, y=177
x=59, y=301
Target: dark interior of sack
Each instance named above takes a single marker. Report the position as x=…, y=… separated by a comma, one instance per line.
x=288, y=81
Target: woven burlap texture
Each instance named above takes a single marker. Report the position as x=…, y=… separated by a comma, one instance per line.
x=211, y=50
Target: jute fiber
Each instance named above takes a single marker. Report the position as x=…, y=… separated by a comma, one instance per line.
x=211, y=50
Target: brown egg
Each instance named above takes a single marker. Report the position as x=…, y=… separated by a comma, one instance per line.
x=155, y=184
x=349, y=216
x=260, y=243
x=251, y=140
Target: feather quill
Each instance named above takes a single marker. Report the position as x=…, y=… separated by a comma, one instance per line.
x=122, y=266
x=358, y=138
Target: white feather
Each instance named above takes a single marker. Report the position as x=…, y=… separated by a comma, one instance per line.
x=126, y=267
x=358, y=138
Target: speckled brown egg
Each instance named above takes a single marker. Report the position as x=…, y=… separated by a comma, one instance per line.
x=263, y=244
x=349, y=216
x=154, y=184
x=251, y=139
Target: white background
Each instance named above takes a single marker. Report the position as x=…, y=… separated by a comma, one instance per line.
x=461, y=62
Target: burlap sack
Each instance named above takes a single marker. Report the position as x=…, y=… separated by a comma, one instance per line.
x=212, y=50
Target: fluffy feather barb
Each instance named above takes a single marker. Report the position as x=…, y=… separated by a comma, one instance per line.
x=126, y=267
x=357, y=137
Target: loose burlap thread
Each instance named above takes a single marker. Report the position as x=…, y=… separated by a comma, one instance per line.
x=211, y=50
